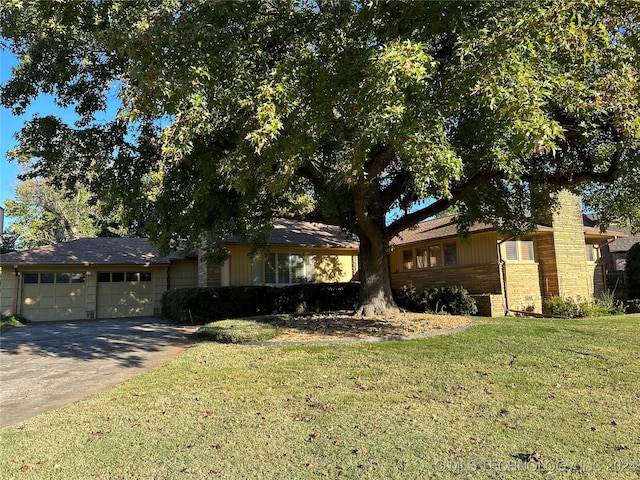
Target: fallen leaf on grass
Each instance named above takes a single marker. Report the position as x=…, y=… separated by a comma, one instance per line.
x=314, y=436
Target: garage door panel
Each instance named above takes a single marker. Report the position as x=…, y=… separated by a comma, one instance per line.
x=124, y=299
x=46, y=301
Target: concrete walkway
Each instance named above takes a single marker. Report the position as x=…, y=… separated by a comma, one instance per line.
x=47, y=365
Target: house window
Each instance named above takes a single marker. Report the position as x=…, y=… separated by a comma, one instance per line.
x=46, y=277
x=104, y=277
x=422, y=257
x=435, y=256
x=592, y=254
x=407, y=259
x=77, y=278
x=117, y=277
x=30, y=278
x=450, y=254
x=63, y=277
x=285, y=269
x=432, y=256
x=519, y=250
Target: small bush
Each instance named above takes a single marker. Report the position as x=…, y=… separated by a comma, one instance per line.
x=238, y=331
x=607, y=304
x=451, y=300
x=9, y=321
x=562, y=307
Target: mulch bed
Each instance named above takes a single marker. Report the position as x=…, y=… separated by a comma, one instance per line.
x=335, y=326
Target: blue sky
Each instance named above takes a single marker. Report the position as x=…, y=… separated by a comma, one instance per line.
x=10, y=124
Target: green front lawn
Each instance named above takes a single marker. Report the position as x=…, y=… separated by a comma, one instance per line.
x=511, y=398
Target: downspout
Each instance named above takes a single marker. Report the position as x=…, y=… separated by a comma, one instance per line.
x=503, y=274
x=605, y=287
x=16, y=286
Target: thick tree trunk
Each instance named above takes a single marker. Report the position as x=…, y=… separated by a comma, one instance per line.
x=375, y=280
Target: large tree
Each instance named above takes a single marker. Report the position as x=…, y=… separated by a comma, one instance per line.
x=369, y=115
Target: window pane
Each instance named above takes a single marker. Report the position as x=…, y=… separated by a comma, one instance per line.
x=511, y=250
x=46, y=278
x=526, y=248
x=309, y=267
x=591, y=252
x=117, y=277
x=450, y=254
x=297, y=268
x=270, y=269
x=77, y=278
x=422, y=258
x=104, y=277
x=63, y=277
x=407, y=259
x=133, y=276
x=257, y=270
x=283, y=268
x=145, y=276
x=435, y=256
x=30, y=278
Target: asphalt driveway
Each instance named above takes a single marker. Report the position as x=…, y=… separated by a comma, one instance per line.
x=46, y=365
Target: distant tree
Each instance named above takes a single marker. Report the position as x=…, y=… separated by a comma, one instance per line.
x=234, y=113
x=632, y=271
x=44, y=214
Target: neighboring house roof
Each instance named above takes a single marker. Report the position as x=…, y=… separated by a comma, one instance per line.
x=89, y=251
x=444, y=227
x=624, y=241
x=307, y=234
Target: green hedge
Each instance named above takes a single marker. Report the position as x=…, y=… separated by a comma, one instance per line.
x=203, y=305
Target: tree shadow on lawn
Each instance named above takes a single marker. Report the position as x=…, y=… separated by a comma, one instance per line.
x=126, y=341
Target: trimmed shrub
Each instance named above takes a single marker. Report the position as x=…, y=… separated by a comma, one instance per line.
x=238, y=331
x=203, y=305
x=632, y=271
x=453, y=300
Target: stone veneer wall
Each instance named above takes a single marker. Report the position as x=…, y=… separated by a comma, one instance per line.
x=575, y=278
x=523, y=286
x=208, y=275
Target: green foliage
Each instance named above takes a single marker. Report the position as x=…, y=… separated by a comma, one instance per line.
x=10, y=321
x=632, y=271
x=453, y=300
x=202, y=305
x=561, y=307
x=234, y=113
x=243, y=330
x=568, y=307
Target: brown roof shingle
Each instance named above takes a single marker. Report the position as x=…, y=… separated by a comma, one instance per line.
x=307, y=234
x=88, y=251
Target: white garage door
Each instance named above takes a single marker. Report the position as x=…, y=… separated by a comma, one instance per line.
x=53, y=296
x=124, y=294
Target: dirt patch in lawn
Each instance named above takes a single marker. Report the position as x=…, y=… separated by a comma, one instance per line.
x=334, y=327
